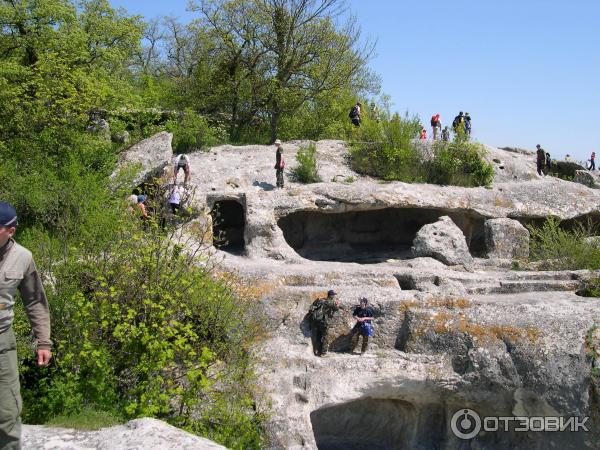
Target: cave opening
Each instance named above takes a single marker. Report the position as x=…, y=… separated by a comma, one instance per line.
x=229, y=221
x=378, y=424
x=371, y=236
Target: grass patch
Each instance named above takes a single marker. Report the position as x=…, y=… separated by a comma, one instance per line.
x=87, y=419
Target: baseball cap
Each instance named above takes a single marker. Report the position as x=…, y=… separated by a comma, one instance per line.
x=8, y=215
x=331, y=293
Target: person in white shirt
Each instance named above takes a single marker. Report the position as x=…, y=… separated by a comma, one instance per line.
x=182, y=162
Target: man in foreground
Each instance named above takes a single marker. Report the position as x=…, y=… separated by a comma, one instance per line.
x=17, y=272
x=321, y=312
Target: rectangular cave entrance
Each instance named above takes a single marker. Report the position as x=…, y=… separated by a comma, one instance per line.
x=371, y=236
x=229, y=221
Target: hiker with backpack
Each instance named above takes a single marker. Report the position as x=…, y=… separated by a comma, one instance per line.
x=436, y=124
x=279, y=164
x=320, y=314
x=459, y=123
x=363, y=327
x=354, y=114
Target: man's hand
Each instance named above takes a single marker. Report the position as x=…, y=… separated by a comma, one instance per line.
x=43, y=356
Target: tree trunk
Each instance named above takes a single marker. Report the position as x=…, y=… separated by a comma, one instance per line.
x=275, y=116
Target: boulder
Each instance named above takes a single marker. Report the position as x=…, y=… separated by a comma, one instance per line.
x=152, y=155
x=121, y=138
x=147, y=434
x=100, y=126
x=506, y=239
x=584, y=177
x=444, y=241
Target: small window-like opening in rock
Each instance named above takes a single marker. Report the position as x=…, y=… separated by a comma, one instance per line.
x=406, y=282
x=228, y=225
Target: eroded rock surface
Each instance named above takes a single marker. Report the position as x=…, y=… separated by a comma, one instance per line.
x=139, y=434
x=506, y=239
x=444, y=241
x=151, y=156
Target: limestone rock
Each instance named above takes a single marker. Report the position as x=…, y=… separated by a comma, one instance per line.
x=506, y=239
x=444, y=241
x=139, y=434
x=152, y=155
x=121, y=138
x=101, y=127
x=584, y=177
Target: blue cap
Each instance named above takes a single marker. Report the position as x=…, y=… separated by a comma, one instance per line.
x=141, y=198
x=8, y=215
x=331, y=293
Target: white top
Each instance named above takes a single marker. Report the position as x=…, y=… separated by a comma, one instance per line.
x=175, y=196
x=182, y=160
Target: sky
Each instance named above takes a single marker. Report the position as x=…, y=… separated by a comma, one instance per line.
x=527, y=71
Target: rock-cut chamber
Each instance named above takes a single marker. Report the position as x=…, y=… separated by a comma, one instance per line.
x=229, y=221
x=371, y=236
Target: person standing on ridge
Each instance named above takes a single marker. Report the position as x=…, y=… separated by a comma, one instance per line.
x=279, y=164
x=17, y=272
x=541, y=160
x=459, y=123
x=320, y=313
x=467, y=124
x=355, y=114
x=436, y=125
x=548, y=161
x=446, y=134
x=182, y=161
x=593, y=161
x=363, y=327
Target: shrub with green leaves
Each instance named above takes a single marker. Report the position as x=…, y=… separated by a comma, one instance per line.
x=306, y=171
x=146, y=328
x=192, y=132
x=459, y=163
x=557, y=248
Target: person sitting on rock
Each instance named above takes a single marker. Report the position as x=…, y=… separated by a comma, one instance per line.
x=363, y=327
x=182, y=161
x=320, y=313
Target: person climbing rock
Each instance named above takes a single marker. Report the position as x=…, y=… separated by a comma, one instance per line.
x=423, y=134
x=363, y=327
x=593, y=161
x=182, y=161
x=436, y=125
x=446, y=134
x=467, y=124
x=17, y=272
x=175, y=199
x=354, y=114
x=541, y=160
x=320, y=313
x=141, y=206
x=279, y=164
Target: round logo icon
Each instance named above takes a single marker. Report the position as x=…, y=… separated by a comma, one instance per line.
x=465, y=424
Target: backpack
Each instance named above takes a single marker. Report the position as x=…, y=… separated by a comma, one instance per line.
x=317, y=310
x=433, y=122
x=353, y=112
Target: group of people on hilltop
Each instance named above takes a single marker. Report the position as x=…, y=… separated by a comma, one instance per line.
x=544, y=161
x=461, y=125
x=321, y=314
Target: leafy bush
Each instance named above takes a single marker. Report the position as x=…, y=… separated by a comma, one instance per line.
x=560, y=249
x=146, y=329
x=191, y=132
x=386, y=149
x=306, y=172
x=459, y=163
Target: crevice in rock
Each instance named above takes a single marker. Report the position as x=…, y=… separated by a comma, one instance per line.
x=371, y=236
x=229, y=221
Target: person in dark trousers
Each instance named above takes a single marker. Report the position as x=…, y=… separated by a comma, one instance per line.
x=467, y=124
x=363, y=326
x=459, y=123
x=593, y=161
x=355, y=114
x=541, y=160
x=548, y=161
x=279, y=164
x=17, y=273
x=446, y=134
x=321, y=313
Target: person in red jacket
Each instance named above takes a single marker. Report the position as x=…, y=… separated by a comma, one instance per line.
x=279, y=164
x=436, y=125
